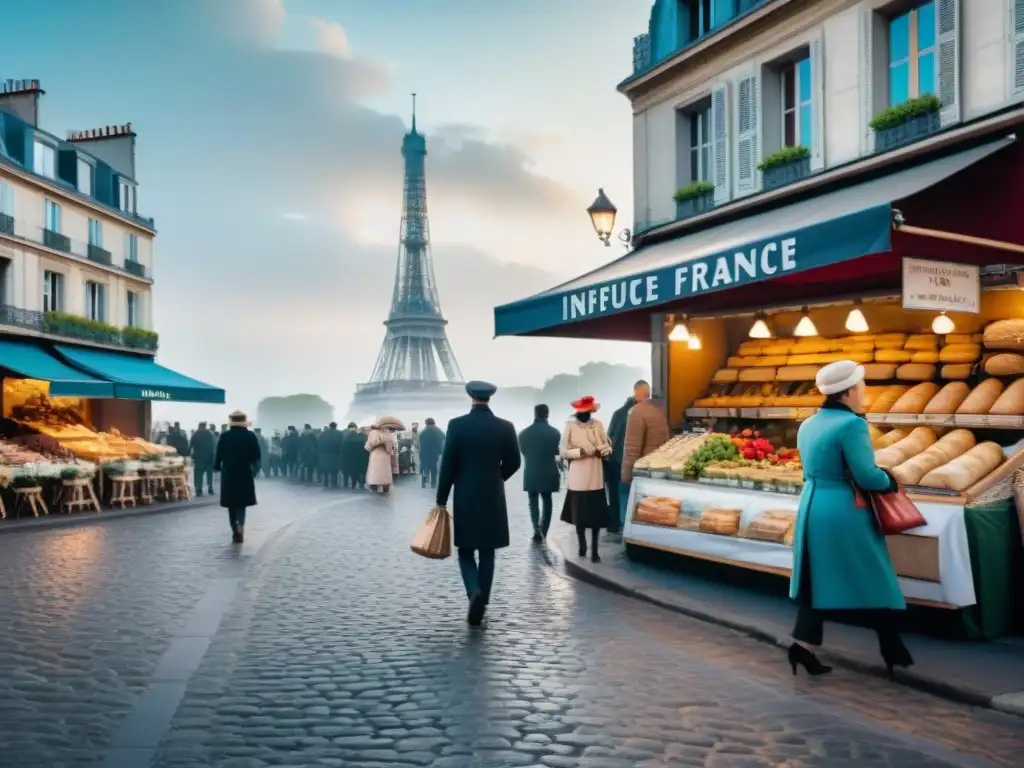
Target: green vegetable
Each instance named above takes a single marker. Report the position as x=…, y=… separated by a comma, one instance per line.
x=715, y=448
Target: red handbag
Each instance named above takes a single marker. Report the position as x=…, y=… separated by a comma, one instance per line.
x=894, y=510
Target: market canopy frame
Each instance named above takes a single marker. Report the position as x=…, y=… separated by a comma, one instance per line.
x=854, y=222
x=33, y=362
x=134, y=377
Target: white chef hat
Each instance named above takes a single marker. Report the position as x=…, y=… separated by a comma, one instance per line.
x=838, y=376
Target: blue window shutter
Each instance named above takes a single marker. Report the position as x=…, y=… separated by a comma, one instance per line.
x=947, y=36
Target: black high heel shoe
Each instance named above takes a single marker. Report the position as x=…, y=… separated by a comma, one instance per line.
x=800, y=656
x=895, y=654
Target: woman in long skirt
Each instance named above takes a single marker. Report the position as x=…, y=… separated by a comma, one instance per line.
x=381, y=448
x=585, y=444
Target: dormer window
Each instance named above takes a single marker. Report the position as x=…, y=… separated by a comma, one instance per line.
x=44, y=160
x=126, y=196
x=85, y=177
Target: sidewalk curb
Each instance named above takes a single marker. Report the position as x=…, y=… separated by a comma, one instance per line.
x=1007, y=703
x=59, y=520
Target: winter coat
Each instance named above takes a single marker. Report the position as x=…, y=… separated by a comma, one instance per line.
x=585, y=444
x=431, y=445
x=238, y=456
x=381, y=447
x=617, y=429
x=646, y=431
x=539, y=445
x=290, y=447
x=481, y=452
x=331, y=449
x=201, y=446
x=178, y=440
x=355, y=458
x=308, y=451
x=849, y=563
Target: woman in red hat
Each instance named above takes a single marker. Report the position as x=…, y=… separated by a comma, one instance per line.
x=585, y=444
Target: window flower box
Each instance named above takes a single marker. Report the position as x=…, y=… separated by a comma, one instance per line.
x=694, y=199
x=906, y=123
x=785, y=166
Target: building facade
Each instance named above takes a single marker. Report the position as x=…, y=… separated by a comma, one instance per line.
x=76, y=256
x=724, y=91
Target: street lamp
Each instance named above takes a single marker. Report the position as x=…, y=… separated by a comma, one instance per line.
x=602, y=215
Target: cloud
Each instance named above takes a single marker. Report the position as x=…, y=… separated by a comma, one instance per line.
x=332, y=39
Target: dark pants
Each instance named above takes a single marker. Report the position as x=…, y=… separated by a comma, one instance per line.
x=476, y=576
x=306, y=473
x=623, y=503
x=330, y=478
x=612, y=479
x=581, y=537
x=236, y=516
x=429, y=474
x=289, y=465
x=541, y=524
x=274, y=467
x=203, y=471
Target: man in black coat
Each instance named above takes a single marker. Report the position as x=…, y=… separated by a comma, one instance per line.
x=308, y=453
x=431, y=446
x=238, y=458
x=290, y=452
x=539, y=446
x=480, y=453
x=332, y=449
x=201, y=446
x=178, y=440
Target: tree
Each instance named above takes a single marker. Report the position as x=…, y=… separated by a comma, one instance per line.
x=279, y=413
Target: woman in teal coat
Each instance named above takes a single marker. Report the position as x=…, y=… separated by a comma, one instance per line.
x=840, y=562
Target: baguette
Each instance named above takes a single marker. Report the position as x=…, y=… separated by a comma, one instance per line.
x=916, y=442
x=870, y=395
x=949, y=398
x=891, y=437
x=887, y=399
x=982, y=398
x=1011, y=402
x=916, y=398
x=964, y=471
x=875, y=434
x=948, y=447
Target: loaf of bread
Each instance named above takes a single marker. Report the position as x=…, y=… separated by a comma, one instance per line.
x=891, y=437
x=870, y=395
x=866, y=356
x=797, y=373
x=947, y=448
x=1011, y=402
x=958, y=371
x=658, y=510
x=916, y=398
x=1005, y=334
x=879, y=371
x=915, y=372
x=758, y=375
x=812, y=346
x=777, y=347
x=963, y=472
x=982, y=398
x=741, y=362
x=817, y=358
x=890, y=341
x=749, y=349
x=925, y=356
x=960, y=338
x=875, y=434
x=860, y=338
x=919, y=341
x=725, y=376
x=920, y=439
x=888, y=398
x=949, y=398
x=1005, y=364
x=725, y=522
x=884, y=355
x=960, y=353
x=849, y=347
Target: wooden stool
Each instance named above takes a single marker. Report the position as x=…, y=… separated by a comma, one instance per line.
x=3, y=508
x=32, y=498
x=149, y=486
x=78, y=494
x=122, y=490
x=177, y=487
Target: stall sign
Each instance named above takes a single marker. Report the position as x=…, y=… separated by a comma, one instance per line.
x=941, y=286
x=155, y=394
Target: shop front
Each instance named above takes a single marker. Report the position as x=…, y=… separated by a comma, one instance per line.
x=73, y=427
x=915, y=273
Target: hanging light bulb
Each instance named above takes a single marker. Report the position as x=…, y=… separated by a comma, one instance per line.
x=679, y=332
x=760, y=329
x=693, y=342
x=855, y=321
x=806, y=326
x=943, y=324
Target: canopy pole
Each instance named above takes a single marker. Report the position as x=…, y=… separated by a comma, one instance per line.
x=938, y=234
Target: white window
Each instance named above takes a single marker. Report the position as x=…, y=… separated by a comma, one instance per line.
x=95, y=233
x=133, y=309
x=131, y=247
x=53, y=291
x=797, y=107
x=44, y=160
x=84, y=177
x=700, y=144
x=126, y=196
x=51, y=216
x=95, y=304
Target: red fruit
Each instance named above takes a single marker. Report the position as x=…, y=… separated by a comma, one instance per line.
x=748, y=433
x=756, y=433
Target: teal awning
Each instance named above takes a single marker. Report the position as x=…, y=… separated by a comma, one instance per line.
x=34, y=362
x=139, y=378
x=815, y=232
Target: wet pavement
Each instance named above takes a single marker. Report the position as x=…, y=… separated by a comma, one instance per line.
x=324, y=641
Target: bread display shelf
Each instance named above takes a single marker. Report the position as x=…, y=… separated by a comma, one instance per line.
x=973, y=421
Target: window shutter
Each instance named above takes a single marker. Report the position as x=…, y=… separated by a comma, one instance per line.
x=1017, y=48
x=720, y=142
x=101, y=295
x=867, y=94
x=817, y=106
x=748, y=124
x=947, y=36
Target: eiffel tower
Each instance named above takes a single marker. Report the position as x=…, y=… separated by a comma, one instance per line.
x=416, y=374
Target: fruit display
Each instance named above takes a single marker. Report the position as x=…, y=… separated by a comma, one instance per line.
x=716, y=447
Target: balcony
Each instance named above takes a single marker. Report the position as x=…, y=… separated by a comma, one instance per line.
x=134, y=268
x=6, y=224
x=64, y=327
x=56, y=240
x=99, y=255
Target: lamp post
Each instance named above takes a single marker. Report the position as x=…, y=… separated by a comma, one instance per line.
x=602, y=215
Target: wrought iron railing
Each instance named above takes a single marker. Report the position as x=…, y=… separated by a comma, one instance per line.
x=99, y=255
x=135, y=268
x=77, y=328
x=64, y=244
x=6, y=224
x=56, y=240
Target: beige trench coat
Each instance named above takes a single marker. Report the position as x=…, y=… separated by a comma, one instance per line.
x=586, y=472
x=381, y=447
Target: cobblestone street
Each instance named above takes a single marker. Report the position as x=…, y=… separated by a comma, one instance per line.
x=325, y=642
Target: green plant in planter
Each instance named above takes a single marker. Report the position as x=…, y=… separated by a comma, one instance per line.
x=79, y=327
x=905, y=112
x=139, y=338
x=692, y=190
x=784, y=156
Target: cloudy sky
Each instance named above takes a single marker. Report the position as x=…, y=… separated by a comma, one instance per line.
x=269, y=137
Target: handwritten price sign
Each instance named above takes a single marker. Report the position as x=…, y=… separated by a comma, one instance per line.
x=941, y=286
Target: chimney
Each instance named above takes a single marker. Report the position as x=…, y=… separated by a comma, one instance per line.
x=21, y=97
x=113, y=144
